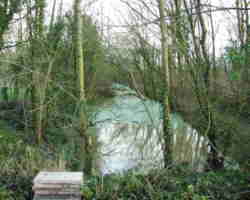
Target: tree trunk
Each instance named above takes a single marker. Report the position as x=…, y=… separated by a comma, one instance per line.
x=52, y=15
x=167, y=132
x=86, y=160
x=37, y=79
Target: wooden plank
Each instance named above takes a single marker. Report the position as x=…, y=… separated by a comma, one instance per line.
x=57, y=193
x=38, y=197
x=73, y=178
x=69, y=190
x=56, y=187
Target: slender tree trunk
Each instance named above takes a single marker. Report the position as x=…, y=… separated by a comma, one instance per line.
x=52, y=15
x=202, y=85
x=35, y=26
x=247, y=43
x=60, y=10
x=30, y=25
x=20, y=38
x=1, y=40
x=86, y=158
x=167, y=132
x=40, y=6
x=40, y=93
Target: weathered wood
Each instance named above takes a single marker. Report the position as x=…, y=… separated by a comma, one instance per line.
x=59, y=178
x=56, y=192
x=53, y=197
x=58, y=186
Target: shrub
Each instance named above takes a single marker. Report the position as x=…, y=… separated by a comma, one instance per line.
x=172, y=184
x=19, y=164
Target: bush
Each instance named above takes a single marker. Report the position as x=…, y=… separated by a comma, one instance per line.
x=173, y=184
x=19, y=164
x=4, y=194
x=16, y=187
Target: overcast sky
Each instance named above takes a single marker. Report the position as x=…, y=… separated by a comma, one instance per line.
x=114, y=12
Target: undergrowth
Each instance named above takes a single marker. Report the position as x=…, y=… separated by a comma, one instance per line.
x=178, y=183
x=20, y=162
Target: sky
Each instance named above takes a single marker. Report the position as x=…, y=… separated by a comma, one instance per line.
x=113, y=12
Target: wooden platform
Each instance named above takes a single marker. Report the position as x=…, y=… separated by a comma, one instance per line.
x=71, y=178
x=58, y=186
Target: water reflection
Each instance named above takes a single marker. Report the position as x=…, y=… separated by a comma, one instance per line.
x=130, y=134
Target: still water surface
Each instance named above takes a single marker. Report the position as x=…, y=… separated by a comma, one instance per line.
x=130, y=133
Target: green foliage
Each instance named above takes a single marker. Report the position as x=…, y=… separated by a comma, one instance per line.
x=9, y=94
x=87, y=193
x=16, y=176
x=233, y=55
x=233, y=76
x=237, y=57
x=20, y=161
x=174, y=184
x=5, y=194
